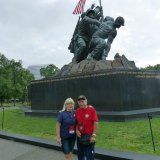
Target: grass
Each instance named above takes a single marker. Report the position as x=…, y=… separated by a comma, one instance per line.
x=18, y=104
x=127, y=136
x=16, y=122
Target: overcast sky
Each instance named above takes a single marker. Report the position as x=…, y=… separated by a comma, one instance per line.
x=39, y=31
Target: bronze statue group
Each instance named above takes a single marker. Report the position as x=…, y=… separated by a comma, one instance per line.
x=91, y=32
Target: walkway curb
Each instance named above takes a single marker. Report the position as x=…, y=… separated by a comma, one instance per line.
x=102, y=154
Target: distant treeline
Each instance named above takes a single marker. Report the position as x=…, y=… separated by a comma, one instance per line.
x=155, y=67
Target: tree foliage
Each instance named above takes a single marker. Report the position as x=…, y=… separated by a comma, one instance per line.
x=14, y=79
x=49, y=71
x=155, y=67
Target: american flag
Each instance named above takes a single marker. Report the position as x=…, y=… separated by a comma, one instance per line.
x=80, y=7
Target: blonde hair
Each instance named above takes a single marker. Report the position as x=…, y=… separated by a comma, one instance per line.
x=67, y=101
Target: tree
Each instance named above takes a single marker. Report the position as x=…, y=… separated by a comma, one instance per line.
x=5, y=89
x=20, y=80
x=26, y=78
x=5, y=81
x=155, y=67
x=49, y=71
x=14, y=79
x=16, y=68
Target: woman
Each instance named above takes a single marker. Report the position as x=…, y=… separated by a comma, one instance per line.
x=65, y=128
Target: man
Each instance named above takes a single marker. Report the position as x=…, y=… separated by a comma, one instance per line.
x=87, y=124
x=87, y=26
x=107, y=30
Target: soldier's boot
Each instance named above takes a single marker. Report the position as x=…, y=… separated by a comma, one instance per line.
x=103, y=58
x=104, y=55
x=89, y=57
x=74, y=60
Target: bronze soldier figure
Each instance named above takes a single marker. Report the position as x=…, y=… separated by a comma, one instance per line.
x=86, y=27
x=107, y=30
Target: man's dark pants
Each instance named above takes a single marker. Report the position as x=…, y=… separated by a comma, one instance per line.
x=85, y=151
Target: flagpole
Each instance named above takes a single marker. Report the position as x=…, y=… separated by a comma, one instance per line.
x=100, y=3
x=101, y=10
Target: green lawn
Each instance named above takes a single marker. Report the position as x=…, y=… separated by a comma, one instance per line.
x=127, y=136
x=18, y=104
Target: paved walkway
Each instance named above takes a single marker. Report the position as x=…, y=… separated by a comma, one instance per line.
x=10, y=150
x=9, y=108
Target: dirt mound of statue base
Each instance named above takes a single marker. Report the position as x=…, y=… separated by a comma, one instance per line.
x=91, y=66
